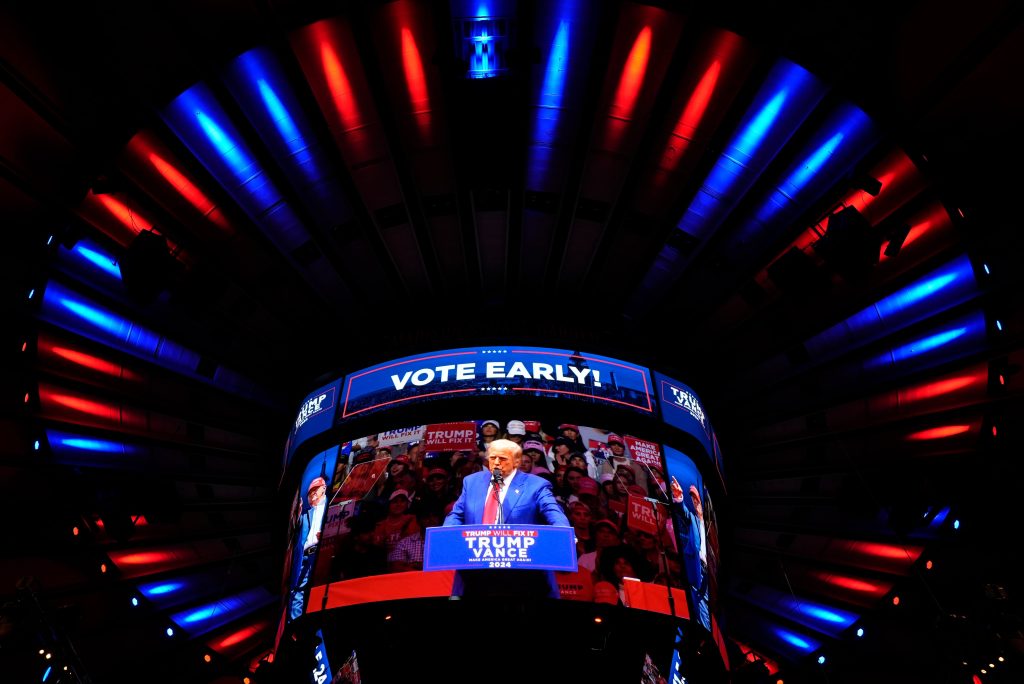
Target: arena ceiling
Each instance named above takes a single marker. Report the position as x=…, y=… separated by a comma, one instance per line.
x=321, y=186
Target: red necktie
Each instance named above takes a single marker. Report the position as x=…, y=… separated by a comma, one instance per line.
x=491, y=505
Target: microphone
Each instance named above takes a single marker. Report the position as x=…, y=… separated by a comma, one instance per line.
x=496, y=477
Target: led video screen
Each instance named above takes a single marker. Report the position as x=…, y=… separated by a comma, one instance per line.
x=495, y=371
x=682, y=408
x=384, y=490
x=315, y=415
x=305, y=525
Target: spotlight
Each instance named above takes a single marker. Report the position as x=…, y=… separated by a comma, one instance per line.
x=821, y=660
x=1001, y=659
x=895, y=600
x=929, y=565
x=956, y=524
x=42, y=651
x=74, y=531
x=103, y=567
x=135, y=600
x=49, y=655
x=207, y=658
x=35, y=445
x=860, y=632
x=170, y=631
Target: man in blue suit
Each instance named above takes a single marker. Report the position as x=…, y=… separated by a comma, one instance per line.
x=309, y=538
x=695, y=557
x=522, y=499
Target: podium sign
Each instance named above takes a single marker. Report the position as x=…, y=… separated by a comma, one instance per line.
x=514, y=547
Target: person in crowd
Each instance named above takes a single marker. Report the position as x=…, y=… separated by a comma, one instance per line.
x=620, y=562
x=606, y=535
x=416, y=455
x=607, y=483
x=372, y=443
x=618, y=458
x=408, y=552
x=571, y=432
x=488, y=433
x=534, y=432
x=408, y=481
x=573, y=477
x=398, y=523
x=436, y=491
x=561, y=489
x=658, y=483
x=526, y=464
x=503, y=494
x=617, y=491
x=605, y=592
x=559, y=453
x=364, y=455
x=515, y=431
x=596, y=457
x=589, y=493
x=581, y=517
x=578, y=460
x=358, y=555
x=396, y=467
x=468, y=465
x=646, y=546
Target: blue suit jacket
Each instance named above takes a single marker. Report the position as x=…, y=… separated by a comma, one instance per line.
x=696, y=573
x=530, y=501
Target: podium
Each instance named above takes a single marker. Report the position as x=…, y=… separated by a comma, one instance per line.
x=509, y=547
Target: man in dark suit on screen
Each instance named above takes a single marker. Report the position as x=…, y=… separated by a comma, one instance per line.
x=502, y=494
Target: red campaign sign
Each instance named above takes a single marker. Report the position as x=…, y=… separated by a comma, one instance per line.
x=646, y=452
x=641, y=515
x=450, y=437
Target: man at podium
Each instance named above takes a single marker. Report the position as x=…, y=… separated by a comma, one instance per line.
x=502, y=495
